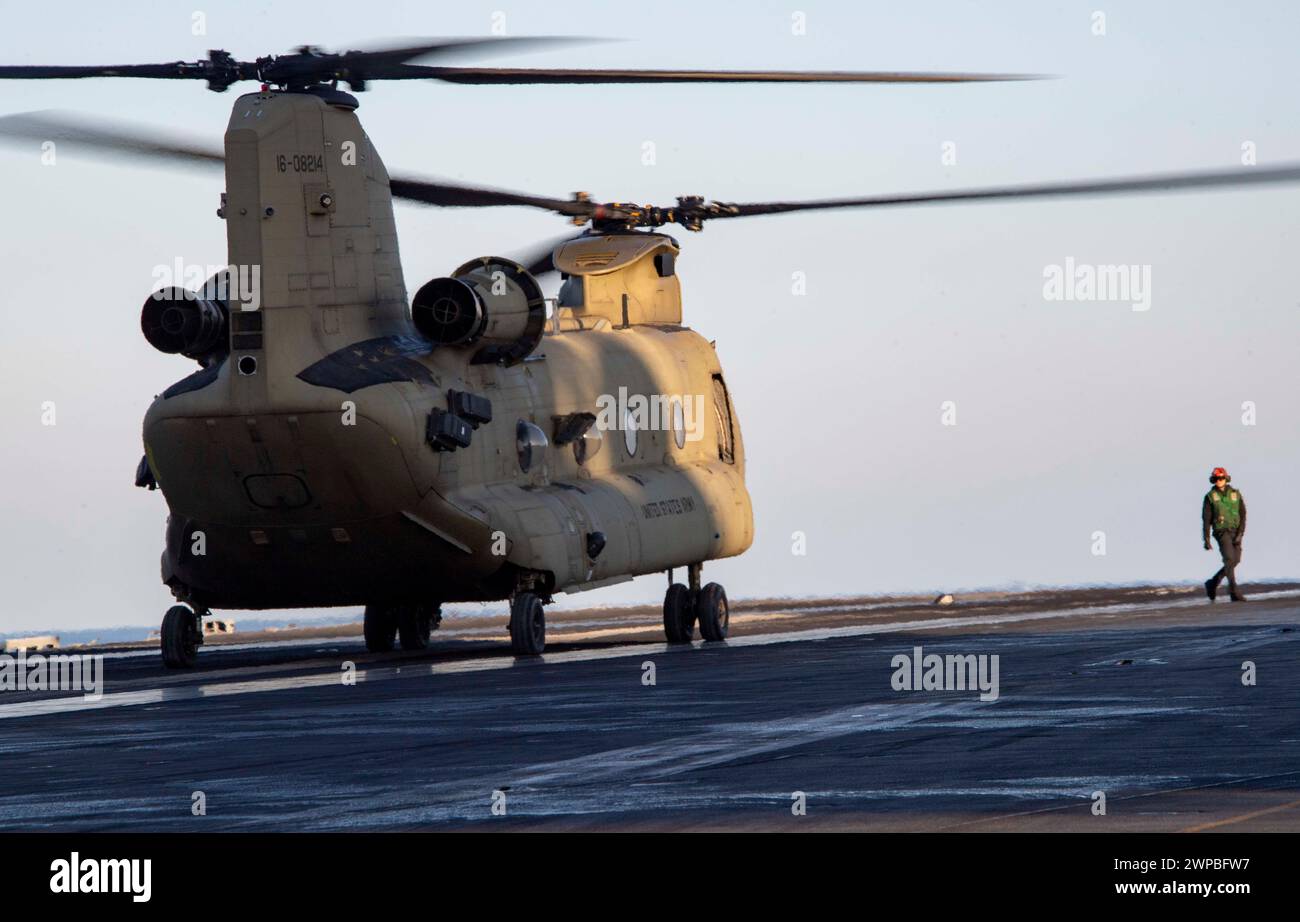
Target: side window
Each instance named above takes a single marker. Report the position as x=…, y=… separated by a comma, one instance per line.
x=629, y=434
x=722, y=411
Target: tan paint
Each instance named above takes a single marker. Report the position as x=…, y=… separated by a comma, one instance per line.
x=381, y=515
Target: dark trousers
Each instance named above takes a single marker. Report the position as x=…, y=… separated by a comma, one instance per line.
x=1230, y=551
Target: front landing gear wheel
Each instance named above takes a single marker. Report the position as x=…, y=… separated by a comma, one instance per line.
x=414, y=624
x=527, y=625
x=712, y=612
x=180, y=638
x=380, y=628
x=679, y=614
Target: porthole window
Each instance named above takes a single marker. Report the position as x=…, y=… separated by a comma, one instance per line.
x=587, y=445
x=531, y=444
x=247, y=365
x=679, y=423
x=629, y=433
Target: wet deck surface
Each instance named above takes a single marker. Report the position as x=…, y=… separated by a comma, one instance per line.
x=1135, y=693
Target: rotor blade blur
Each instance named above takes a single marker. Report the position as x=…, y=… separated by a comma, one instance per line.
x=1249, y=176
x=454, y=195
x=137, y=142
x=436, y=47
x=390, y=63
x=304, y=65
x=102, y=136
x=529, y=75
x=538, y=258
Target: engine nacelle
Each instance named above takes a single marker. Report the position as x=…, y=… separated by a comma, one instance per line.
x=491, y=303
x=177, y=320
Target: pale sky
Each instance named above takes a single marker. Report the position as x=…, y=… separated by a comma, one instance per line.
x=1072, y=417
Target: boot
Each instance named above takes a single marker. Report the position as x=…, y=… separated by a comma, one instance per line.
x=1211, y=588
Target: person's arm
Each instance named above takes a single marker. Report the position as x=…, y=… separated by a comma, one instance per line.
x=1207, y=516
x=1241, y=526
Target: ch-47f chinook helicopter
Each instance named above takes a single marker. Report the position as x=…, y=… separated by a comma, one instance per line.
x=337, y=447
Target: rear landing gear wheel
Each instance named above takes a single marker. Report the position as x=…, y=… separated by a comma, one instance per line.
x=679, y=614
x=414, y=624
x=181, y=635
x=380, y=628
x=527, y=625
x=712, y=612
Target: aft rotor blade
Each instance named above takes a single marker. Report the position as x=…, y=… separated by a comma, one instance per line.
x=390, y=63
x=100, y=136
x=305, y=66
x=177, y=70
x=433, y=47
x=530, y=75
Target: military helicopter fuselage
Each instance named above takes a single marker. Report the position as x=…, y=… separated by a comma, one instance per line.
x=339, y=448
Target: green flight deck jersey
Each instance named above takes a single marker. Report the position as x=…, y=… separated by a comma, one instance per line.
x=1225, y=508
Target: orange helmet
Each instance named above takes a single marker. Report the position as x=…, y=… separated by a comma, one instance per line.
x=1217, y=473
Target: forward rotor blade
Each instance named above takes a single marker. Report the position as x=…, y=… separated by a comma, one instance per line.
x=529, y=75
x=455, y=195
x=103, y=136
x=1248, y=176
x=138, y=142
x=537, y=259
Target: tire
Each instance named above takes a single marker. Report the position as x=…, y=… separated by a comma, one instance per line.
x=712, y=612
x=380, y=628
x=414, y=624
x=527, y=625
x=180, y=642
x=679, y=614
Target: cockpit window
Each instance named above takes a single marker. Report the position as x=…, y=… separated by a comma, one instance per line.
x=722, y=413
